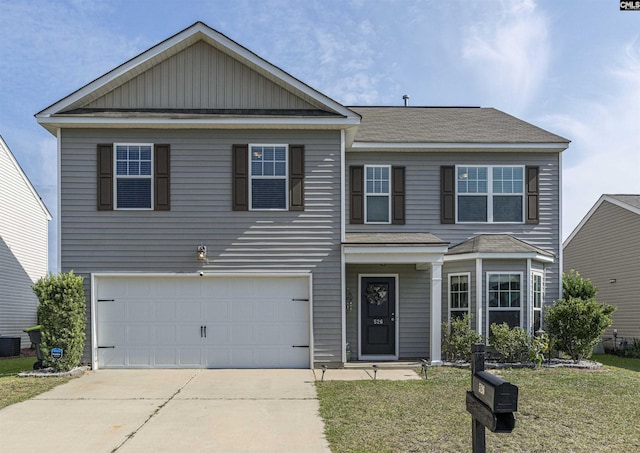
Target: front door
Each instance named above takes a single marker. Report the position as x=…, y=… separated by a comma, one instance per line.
x=378, y=315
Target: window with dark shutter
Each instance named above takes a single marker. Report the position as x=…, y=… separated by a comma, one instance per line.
x=532, y=195
x=356, y=185
x=296, y=178
x=240, y=186
x=161, y=177
x=105, y=177
x=447, y=194
x=398, y=196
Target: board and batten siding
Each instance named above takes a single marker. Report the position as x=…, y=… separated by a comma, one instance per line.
x=23, y=248
x=200, y=77
x=201, y=212
x=608, y=247
x=422, y=198
x=413, y=307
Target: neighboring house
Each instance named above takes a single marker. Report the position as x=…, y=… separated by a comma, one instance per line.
x=23, y=247
x=225, y=214
x=605, y=248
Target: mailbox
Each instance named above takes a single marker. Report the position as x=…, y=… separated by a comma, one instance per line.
x=496, y=422
x=499, y=395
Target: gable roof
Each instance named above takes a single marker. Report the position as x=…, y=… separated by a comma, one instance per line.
x=5, y=148
x=498, y=245
x=628, y=202
x=437, y=127
x=69, y=110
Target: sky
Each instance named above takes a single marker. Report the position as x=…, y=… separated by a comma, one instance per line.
x=570, y=67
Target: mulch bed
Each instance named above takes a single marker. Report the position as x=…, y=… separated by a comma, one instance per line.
x=26, y=352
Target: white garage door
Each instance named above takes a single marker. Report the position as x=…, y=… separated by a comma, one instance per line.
x=202, y=322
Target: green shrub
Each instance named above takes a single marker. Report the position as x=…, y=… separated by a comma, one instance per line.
x=577, y=287
x=61, y=314
x=514, y=344
x=633, y=351
x=575, y=325
x=457, y=339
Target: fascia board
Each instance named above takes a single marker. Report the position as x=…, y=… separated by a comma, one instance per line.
x=213, y=37
x=499, y=256
x=385, y=146
x=392, y=255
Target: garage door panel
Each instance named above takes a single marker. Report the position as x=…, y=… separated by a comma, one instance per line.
x=160, y=322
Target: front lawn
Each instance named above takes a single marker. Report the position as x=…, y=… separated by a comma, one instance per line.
x=14, y=389
x=559, y=410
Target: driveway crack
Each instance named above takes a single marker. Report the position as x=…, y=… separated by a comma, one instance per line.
x=153, y=414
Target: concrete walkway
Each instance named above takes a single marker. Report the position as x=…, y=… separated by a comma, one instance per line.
x=174, y=411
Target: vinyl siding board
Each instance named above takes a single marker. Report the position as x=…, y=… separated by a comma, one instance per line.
x=199, y=77
x=608, y=247
x=413, y=308
x=201, y=212
x=422, y=182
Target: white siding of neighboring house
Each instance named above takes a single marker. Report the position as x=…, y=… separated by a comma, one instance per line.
x=23, y=247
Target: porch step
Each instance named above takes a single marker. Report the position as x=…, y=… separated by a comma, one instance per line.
x=398, y=365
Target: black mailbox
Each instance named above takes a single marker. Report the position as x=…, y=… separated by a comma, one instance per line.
x=496, y=422
x=499, y=395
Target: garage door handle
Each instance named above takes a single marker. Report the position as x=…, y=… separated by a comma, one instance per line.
x=205, y=331
x=201, y=331
x=300, y=346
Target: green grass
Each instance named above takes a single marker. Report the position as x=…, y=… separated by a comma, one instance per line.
x=14, y=389
x=559, y=410
x=618, y=362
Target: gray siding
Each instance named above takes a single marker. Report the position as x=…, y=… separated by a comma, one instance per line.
x=608, y=247
x=423, y=200
x=200, y=77
x=413, y=307
x=154, y=241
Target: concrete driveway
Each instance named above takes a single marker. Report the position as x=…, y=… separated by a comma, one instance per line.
x=128, y=411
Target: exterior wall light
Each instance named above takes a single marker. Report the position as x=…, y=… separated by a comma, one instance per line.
x=202, y=252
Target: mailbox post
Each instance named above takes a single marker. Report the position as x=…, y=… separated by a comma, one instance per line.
x=491, y=402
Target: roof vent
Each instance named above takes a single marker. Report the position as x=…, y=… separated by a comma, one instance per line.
x=406, y=99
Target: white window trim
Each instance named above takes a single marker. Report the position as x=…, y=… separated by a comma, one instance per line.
x=490, y=309
x=490, y=193
x=285, y=177
x=366, y=195
x=459, y=274
x=537, y=273
x=116, y=176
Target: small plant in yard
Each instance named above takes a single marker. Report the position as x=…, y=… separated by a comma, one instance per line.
x=514, y=344
x=61, y=314
x=539, y=346
x=633, y=351
x=457, y=338
x=576, y=322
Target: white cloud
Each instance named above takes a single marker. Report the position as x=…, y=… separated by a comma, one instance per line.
x=508, y=49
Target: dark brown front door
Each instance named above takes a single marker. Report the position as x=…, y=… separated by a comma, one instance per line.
x=378, y=315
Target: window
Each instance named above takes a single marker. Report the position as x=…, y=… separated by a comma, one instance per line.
x=133, y=176
x=378, y=194
x=268, y=181
x=504, y=297
x=537, y=298
x=490, y=194
x=458, y=295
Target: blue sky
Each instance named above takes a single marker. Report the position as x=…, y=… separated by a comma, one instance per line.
x=571, y=67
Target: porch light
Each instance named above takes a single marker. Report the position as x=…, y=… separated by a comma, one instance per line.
x=202, y=252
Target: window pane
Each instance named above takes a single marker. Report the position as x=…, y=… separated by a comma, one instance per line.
x=134, y=168
x=472, y=209
x=464, y=300
x=256, y=168
x=145, y=168
x=134, y=193
x=512, y=318
x=377, y=209
x=536, y=320
x=458, y=314
x=268, y=194
x=280, y=169
x=268, y=169
x=507, y=208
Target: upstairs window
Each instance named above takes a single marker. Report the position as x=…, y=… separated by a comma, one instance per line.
x=268, y=180
x=490, y=194
x=377, y=194
x=133, y=176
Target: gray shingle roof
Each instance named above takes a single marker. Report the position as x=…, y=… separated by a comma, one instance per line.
x=447, y=125
x=393, y=239
x=495, y=243
x=631, y=200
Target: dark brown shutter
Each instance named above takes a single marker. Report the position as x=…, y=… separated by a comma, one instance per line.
x=397, y=206
x=161, y=183
x=356, y=206
x=240, y=175
x=105, y=177
x=447, y=194
x=296, y=178
x=532, y=196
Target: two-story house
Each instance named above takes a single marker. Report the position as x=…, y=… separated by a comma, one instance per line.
x=225, y=214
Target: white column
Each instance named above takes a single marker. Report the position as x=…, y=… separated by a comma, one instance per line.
x=479, y=307
x=436, y=314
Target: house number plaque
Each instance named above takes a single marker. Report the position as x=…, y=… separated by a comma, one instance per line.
x=378, y=321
